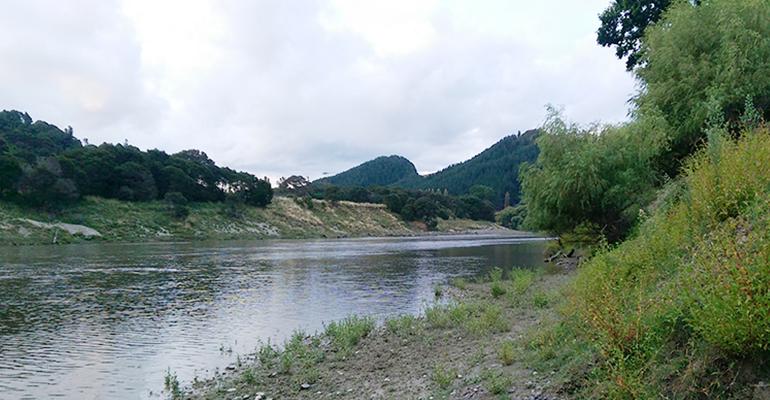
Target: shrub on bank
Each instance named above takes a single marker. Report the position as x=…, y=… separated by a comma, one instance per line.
x=684, y=305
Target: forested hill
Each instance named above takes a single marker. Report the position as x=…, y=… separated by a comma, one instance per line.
x=42, y=165
x=496, y=167
x=382, y=171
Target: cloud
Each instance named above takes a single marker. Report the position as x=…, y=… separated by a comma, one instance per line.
x=279, y=88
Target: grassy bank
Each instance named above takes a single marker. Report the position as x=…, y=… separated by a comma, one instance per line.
x=682, y=309
x=98, y=219
x=469, y=348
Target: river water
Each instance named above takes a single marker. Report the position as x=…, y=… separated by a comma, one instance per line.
x=105, y=321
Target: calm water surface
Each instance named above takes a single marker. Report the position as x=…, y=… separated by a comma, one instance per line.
x=106, y=321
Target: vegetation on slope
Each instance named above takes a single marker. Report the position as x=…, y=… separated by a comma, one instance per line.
x=382, y=171
x=703, y=66
x=496, y=167
x=425, y=206
x=681, y=308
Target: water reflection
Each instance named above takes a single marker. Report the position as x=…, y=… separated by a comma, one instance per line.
x=106, y=321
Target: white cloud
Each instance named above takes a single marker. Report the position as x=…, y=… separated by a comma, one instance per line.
x=278, y=88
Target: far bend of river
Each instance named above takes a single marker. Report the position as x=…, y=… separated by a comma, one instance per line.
x=105, y=321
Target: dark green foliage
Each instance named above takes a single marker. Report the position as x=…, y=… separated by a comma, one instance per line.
x=702, y=65
x=597, y=176
x=381, y=171
x=512, y=217
x=251, y=190
x=296, y=185
x=10, y=173
x=476, y=208
x=177, y=204
x=136, y=182
x=26, y=141
x=496, y=167
x=43, y=185
x=624, y=23
x=482, y=192
x=412, y=205
x=42, y=165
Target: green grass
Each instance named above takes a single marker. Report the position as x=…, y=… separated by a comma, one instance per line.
x=404, y=326
x=443, y=377
x=506, y=352
x=171, y=385
x=476, y=318
x=153, y=221
x=460, y=283
x=496, y=381
x=347, y=333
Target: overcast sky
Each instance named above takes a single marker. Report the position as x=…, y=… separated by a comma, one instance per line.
x=306, y=87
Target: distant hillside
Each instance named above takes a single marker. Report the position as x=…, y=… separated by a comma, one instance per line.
x=496, y=167
x=382, y=171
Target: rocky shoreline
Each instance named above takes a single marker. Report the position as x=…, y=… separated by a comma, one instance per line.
x=472, y=347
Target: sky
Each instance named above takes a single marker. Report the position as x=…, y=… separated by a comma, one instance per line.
x=286, y=87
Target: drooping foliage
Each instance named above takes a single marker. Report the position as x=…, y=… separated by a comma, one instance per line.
x=705, y=63
x=598, y=175
x=680, y=310
x=44, y=166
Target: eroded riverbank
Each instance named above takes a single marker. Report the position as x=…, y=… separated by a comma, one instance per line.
x=473, y=347
x=107, y=220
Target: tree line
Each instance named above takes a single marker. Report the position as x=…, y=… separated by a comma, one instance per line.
x=411, y=205
x=44, y=166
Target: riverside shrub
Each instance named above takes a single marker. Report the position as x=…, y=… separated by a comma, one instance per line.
x=690, y=291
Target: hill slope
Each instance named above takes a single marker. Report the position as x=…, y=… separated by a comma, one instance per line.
x=382, y=171
x=496, y=167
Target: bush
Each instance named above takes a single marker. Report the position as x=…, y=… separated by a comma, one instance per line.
x=443, y=376
x=497, y=289
x=702, y=61
x=512, y=217
x=597, y=175
x=506, y=352
x=690, y=284
x=521, y=280
x=403, y=326
x=177, y=204
x=347, y=333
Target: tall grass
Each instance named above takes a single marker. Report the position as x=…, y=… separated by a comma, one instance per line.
x=679, y=305
x=347, y=333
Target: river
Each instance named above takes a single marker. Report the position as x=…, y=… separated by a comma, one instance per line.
x=106, y=321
